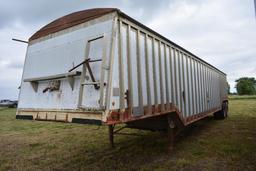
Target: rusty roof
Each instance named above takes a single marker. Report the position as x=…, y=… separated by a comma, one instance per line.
x=71, y=20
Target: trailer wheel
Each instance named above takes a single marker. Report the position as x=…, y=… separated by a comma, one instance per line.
x=223, y=113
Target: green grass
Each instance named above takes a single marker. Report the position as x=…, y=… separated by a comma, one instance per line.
x=238, y=97
x=205, y=145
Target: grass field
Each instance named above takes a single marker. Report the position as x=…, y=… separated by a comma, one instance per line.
x=206, y=145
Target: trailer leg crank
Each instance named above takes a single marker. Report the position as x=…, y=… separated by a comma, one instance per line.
x=111, y=135
x=171, y=134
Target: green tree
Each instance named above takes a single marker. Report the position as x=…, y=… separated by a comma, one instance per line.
x=246, y=85
x=228, y=88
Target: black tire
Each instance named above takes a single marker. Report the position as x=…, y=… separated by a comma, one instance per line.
x=223, y=113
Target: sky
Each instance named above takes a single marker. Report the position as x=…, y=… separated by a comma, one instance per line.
x=222, y=33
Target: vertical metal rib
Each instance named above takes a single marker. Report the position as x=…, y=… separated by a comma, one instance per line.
x=154, y=71
x=188, y=89
x=209, y=97
x=207, y=88
x=194, y=81
x=198, y=87
x=183, y=86
x=175, y=77
x=180, y=81
x=121, y=72
x=166, y=79
x=192, y=85
x=147, y=75
x=210, y=73
x=203, y=86
x=130, y=94
x=104, y=44
x=139, y=71
x=161, y=75
x=171, y=74
x=111, y=61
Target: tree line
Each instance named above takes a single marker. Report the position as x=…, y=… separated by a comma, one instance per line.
x=245, y=86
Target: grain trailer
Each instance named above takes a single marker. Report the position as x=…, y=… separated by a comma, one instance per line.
x=100, y=66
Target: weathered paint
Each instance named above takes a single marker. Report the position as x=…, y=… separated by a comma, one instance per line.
x=141, y=75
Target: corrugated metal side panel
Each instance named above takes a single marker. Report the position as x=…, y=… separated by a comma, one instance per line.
x=162, y=74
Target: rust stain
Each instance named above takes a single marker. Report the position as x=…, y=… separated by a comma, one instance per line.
x=71, y=20
x=115, y=116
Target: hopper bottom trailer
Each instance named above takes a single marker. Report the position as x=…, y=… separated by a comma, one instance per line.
x=100, y=66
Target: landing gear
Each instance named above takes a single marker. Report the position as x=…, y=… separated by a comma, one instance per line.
x=170, y=131
x=111, y=135
x=223, y=113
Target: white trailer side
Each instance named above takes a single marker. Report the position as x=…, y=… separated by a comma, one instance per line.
x=101, y=66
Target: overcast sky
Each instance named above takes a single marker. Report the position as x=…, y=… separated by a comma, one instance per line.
x=222, y=33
